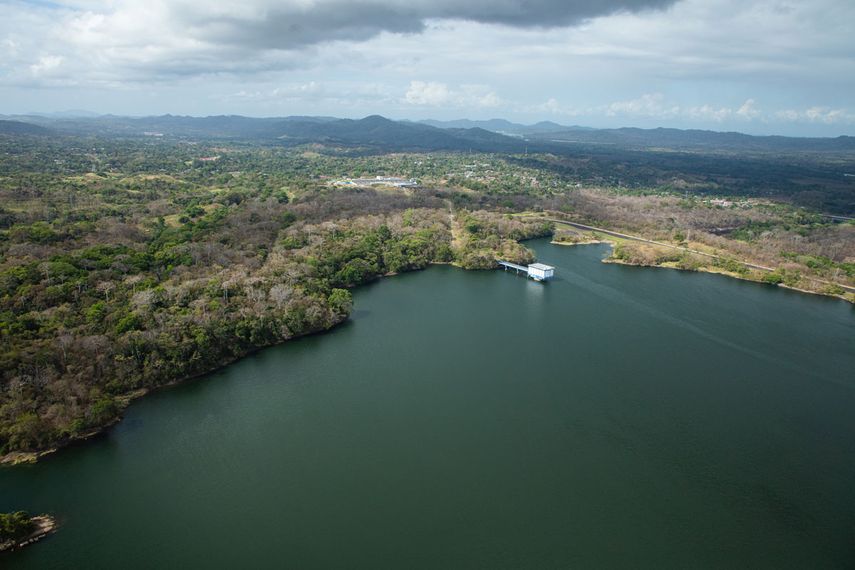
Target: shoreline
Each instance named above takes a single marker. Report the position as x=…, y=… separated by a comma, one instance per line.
x=30, y=457
x=45, y=526
x=703, y=269
x=615, y=238
x=725, y=273
x=17, y=458
x=583, y=242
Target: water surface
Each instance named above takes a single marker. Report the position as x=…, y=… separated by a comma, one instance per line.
x=614, y=418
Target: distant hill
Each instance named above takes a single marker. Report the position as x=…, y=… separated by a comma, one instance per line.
x=500, y=126
x=377, y=131
x=547, y=133
x=219, y=126
x=694, y=140
x=68, y=114
x=22, y=128
x=494, y=135
x=373, y=131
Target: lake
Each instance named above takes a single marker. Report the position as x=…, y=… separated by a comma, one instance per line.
x=616, y=417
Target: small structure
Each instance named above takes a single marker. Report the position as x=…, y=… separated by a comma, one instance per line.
x=537, y=271
x=393, y=181
x=540, y=271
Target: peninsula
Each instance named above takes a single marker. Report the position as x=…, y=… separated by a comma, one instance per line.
x=19, y=529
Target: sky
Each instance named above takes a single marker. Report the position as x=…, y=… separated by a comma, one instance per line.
x=756, y=66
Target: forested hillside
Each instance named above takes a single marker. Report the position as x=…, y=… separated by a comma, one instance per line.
x=127, y=266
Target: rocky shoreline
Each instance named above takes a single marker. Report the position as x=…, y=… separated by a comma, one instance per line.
x=45, y=526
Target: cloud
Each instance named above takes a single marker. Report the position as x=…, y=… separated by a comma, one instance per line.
x=434, y=94
x=655, y=106
x=818, y=114
x=293, y=92
x=427, y=93
x=122, y=41
x=45, y=64
x=273, y=24
x=648, y=105
x=313, y=93
x=747, y=110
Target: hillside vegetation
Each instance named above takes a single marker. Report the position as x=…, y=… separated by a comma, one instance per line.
x=132, y=269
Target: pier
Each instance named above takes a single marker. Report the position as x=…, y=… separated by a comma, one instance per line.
x=536, y=271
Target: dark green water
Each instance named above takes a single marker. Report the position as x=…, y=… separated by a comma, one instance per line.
x=614, y=418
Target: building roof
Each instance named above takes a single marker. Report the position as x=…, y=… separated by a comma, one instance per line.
x=541, y=266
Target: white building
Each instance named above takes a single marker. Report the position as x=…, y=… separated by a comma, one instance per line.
x=379, y=181
x=540, y=272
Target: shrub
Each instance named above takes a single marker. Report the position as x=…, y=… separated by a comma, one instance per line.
x=96, y=312
x=129, y=322
x=341, y=301
x=773, y=278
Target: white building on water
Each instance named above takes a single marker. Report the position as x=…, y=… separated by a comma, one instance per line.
x=537, y=271
x=540, y=271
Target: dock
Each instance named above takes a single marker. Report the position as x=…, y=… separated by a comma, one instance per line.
x=536, y=271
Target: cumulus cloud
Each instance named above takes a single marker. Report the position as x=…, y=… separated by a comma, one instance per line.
x=312, y=94
x=45, y=64
x=427, y=93
x=434, y=94
x=648, y=105
x=657, y=106
x=748, y=110
x=293, y=92
x=818, y=114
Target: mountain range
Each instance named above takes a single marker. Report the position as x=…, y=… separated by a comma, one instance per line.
x=495, y=135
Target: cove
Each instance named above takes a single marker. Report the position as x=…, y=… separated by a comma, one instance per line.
x=616, y=417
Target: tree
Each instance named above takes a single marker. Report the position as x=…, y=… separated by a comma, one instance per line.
x=105, y=287
x=341, y=302
x=15, y=525
x=280, y=294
